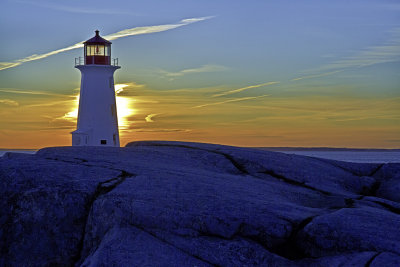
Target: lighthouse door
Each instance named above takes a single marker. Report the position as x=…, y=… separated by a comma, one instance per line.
x=80, y=139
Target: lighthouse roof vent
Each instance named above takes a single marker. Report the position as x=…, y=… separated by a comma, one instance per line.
x=97, y=39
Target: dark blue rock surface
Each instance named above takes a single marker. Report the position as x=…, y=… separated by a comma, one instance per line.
x=157, y=203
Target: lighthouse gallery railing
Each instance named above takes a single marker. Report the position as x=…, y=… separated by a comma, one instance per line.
x=81, y=61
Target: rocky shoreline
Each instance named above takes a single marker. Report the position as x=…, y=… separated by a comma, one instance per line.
x=159, y=203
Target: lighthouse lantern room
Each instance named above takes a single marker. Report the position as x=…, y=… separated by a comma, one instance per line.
x=97, y=50
x=97, y=115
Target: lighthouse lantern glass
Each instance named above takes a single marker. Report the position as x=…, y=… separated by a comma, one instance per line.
x=97, y=54
x=97, y=50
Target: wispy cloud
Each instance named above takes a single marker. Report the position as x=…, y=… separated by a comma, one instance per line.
x=113, y=36
x=74, y=9
x=149, y=118
x=154, y=29
x=51, y=104
x=119, y=88
x=316, y=75
x=359, y=118
x=9, y=102
x=7, y=65
x=388, y=52
x=243, y=89
x=202, y=69
x=372, y=55
x=28, y=92
x=161, y=130
x=229, y=101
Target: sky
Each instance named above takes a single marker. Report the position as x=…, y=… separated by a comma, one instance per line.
x=309, y=73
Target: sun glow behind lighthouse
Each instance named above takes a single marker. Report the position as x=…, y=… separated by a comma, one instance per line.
x=124, y=108
x=73, y=114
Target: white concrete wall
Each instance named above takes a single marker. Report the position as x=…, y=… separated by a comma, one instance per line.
x=97, y=116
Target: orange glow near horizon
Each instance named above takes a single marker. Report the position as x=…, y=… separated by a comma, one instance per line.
x=43, y=120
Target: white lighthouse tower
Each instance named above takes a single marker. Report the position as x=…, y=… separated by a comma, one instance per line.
x=97, y=115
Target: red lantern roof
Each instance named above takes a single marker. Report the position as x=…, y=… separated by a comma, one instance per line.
x=97, y=39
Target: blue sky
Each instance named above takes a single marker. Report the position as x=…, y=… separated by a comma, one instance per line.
x=308, y=69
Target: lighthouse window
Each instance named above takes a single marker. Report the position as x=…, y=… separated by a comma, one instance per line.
x=95, y=50
x=103, y=142
x=89, y=51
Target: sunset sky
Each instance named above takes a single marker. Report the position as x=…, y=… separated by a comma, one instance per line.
x=306, y=73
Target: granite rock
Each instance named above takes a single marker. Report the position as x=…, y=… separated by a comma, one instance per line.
x=160, y=203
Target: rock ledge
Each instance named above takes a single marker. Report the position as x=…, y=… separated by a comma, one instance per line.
x=160, y=203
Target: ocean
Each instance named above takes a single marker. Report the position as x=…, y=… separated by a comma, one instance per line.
x=350, y=155
x=357, y=155
x=28, y=151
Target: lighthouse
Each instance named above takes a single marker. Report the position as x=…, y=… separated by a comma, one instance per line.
x=97, y=115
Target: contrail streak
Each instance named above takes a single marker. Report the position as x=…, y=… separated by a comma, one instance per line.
x=113, y=36
x=15, y=91
x=316, y=75
x=230, y=100
x=243, y=89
